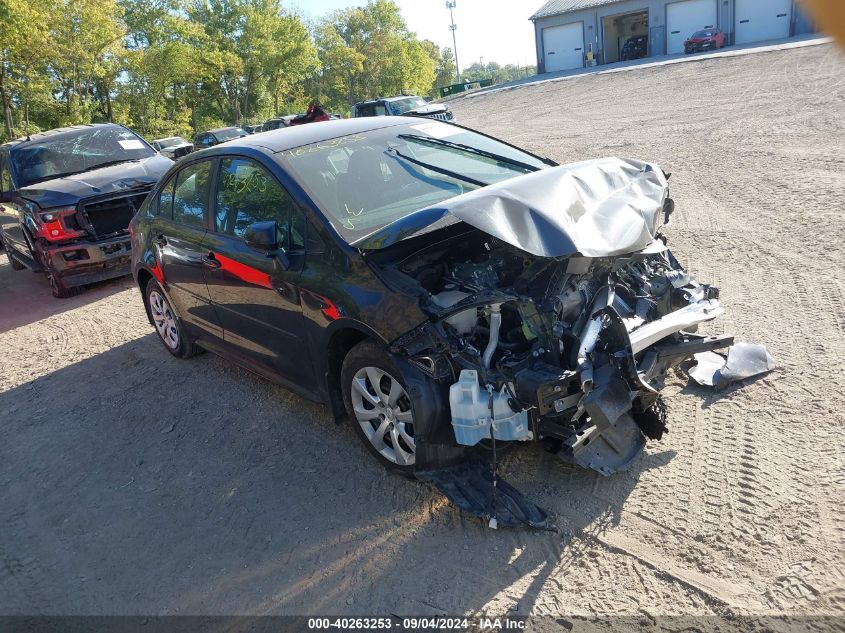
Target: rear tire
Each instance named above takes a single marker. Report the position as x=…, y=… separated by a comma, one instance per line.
x=377, y=401
x=171, y=331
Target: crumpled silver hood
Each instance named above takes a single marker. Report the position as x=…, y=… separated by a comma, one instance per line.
x=595, y=208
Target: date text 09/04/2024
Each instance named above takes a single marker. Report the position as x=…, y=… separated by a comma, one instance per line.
x=417, y=624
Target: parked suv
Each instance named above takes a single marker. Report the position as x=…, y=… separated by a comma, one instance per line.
x=67, y=197
x=403, y=106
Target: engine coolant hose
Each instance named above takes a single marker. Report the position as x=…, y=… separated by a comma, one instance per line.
x=495, y=324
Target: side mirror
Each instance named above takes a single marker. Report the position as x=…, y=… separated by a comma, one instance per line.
x=261, y=236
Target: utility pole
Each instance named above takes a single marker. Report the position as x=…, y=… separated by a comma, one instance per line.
x=450, y=4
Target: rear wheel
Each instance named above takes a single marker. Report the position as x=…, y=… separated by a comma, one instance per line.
x=167, y=324
x=379, y=406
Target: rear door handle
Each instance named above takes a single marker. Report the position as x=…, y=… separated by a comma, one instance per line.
x=211, y=261
x=160, y=240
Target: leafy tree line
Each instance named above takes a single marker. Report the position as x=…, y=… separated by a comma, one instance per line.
x=168, y=67
x=498, y=73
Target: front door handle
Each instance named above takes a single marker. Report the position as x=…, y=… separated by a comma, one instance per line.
x=160, y=240
x=211, y=261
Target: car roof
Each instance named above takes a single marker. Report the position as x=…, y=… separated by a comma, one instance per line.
x=299, y=135
x=60, y=131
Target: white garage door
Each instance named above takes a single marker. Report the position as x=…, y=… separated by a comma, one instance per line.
x=564, y=46
x=685, y=18
x=758, y=20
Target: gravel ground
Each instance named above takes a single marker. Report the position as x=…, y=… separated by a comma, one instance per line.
x=135, y=483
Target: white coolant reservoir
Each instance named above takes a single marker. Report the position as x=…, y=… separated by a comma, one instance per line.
x=470, y=406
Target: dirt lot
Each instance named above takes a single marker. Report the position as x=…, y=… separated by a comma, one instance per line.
x=134, y=483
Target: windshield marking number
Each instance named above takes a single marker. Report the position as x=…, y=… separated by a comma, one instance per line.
x=325, y=145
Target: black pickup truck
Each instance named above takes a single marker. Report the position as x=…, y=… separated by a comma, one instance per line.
x=66, y=199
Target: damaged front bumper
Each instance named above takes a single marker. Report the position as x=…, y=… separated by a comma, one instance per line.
x=86, y=262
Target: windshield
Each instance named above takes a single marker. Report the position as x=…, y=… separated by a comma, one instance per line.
x=401, y=106
x=365, y=181
x=75, y=151
x=229, y=133
x=699, y=34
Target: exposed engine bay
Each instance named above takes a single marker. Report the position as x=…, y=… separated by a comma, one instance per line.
x=569, y=349
x=555, y=312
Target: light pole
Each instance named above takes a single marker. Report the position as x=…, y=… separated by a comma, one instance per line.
x=450, y=4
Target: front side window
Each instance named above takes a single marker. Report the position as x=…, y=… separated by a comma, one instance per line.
x=190, y=198
x=247, y=193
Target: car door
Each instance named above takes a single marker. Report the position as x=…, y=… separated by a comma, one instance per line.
x=255, y=293
x=178, y=232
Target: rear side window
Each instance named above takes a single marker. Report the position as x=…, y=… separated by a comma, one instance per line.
x=190, y=197
x=247, y=193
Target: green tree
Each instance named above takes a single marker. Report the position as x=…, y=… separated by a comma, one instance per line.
x=369, y=51
x=87, y=39
x=23, y=76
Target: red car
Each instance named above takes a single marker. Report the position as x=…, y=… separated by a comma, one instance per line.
x=705, y=40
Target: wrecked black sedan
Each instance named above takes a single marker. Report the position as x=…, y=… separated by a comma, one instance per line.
x=438, y=287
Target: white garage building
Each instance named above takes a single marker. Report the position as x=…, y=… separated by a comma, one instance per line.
x=567, y=30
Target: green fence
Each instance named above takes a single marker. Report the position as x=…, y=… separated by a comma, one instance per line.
x=454, y=89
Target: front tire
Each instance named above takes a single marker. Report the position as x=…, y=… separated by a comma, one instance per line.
x=378, y=404
x=168, y=325
x=59, y=289
x=15, y=264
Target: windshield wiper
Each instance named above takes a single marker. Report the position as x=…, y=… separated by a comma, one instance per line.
x=50, y=177
x=81, y=171
x=439, y=170
x=469, y=149
x=109, y=164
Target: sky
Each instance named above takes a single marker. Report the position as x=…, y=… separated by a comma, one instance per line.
x=495, y=30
